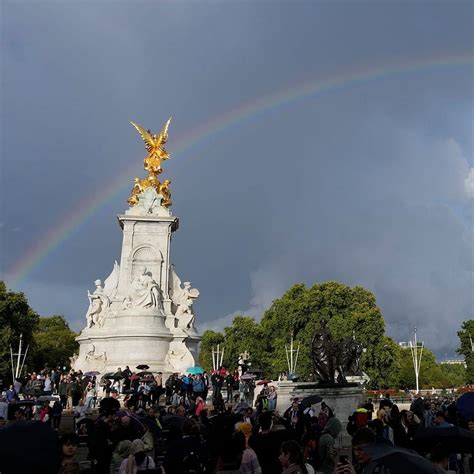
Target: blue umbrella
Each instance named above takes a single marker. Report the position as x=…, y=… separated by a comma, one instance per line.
x=194, y=370
x=465, y=405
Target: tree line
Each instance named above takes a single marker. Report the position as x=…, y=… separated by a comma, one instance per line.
x=50, y=340
x=347, y=312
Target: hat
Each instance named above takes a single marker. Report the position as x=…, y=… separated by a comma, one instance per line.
x=137, y=446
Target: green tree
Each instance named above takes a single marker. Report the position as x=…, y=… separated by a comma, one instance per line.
x=431, y=374
x=453, y=375
x=53, y=343
x=347, y=312
x=209, y=340
x=245, y=334
x=466, y=337
x=16, y=317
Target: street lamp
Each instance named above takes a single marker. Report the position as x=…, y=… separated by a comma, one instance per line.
x=416, y=360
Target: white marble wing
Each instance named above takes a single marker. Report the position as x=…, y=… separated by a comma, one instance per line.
x=175, y=289
x=111, y=282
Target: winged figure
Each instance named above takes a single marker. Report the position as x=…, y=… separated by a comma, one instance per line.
x=182, y=296
x=154, y=145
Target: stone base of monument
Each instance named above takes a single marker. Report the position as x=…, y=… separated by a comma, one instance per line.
x=343, y=400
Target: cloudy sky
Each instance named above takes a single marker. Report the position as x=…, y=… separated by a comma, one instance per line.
x=311, y=141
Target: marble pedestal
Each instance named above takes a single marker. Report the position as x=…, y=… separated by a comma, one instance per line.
x=342, y=400
x=142, y=313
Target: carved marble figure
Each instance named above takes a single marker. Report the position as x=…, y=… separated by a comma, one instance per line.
x=144, y=291
x=183, y=298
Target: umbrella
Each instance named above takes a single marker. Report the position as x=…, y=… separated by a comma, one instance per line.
x=42, y=453
x=399, y=460
x=311, y=400
x=453, y=439
x=465, y=405
x=194, y=370
x=47, y=398
x=91, y=373
x=108, y=375
x=144, y=373
x=263, y=382
x=143, y=367
x=248, y=376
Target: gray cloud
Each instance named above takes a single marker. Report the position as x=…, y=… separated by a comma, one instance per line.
x=369, y=183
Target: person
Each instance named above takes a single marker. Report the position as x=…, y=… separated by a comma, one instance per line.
x=291, y=459
x=386, y=402
x=137, y=460
x=326, y=445
x=266, y=444
x=272, y=398
x=90, y=396
x=249, y=463
x=56, y=413
x=62, y=391
x=229, y=383
x=11, y=394
x=3, y=408
x=69, y=447
x=379, y=429
x=369, y=406
x=100, y=443
x=439, y=420
x=363, y=439
x=439, y=456
x=122, y=451
x=109, y=404
x=45, y=413
x=188, y=452
x=48, y=385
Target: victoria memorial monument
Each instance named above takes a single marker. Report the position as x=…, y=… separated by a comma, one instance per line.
x=142, y=313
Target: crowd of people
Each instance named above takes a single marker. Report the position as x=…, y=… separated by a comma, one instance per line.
x=131, y=421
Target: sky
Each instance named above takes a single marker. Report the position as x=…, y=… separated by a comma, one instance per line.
x=310, y=141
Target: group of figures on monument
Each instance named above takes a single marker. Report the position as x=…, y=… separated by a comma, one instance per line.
x=334, y=360
x=145, y=293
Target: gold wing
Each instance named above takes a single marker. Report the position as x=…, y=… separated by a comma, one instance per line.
x=163, y=136
x=146, y=137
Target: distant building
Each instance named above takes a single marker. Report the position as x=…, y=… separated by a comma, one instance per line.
x=404, y=345
x=454, y=361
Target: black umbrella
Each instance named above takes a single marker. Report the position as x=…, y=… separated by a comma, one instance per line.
x=453, y=439
x=108, y=375
x=29, y=446
x=401, y=461
x=143, y=367
x=311, y=400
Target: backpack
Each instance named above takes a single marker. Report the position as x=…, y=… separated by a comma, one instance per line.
x=311, y=450
x=192, y=464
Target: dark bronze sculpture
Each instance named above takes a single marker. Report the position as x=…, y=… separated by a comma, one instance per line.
x=334, y=360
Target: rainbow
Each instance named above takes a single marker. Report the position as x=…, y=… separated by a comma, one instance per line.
x=36, y=254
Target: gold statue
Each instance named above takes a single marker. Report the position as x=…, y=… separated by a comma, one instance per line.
x=154, y=145
x=165, y=193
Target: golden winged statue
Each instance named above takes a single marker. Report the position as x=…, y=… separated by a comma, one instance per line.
x=157, y=153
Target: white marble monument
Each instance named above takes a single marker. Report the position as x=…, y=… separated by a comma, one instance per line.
x=142, y=313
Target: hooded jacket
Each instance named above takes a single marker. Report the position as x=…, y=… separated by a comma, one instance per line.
x=326, y=442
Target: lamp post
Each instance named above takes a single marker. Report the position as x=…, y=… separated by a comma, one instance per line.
x=217, y=357
x=292, y=356
x=414, y=346
x=17, y=362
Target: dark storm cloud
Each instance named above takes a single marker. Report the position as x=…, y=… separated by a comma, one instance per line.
x=370, y=184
